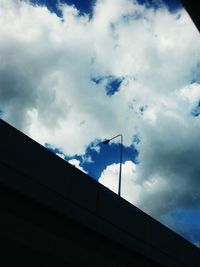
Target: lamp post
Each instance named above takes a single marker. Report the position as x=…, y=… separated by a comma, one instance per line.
x=120, y=166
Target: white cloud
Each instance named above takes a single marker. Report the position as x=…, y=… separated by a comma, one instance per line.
x=47, y=92
x=62, y=156
x=76, y=163
x=130, y=188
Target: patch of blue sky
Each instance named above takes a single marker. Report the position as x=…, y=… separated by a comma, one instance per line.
x=112, y=83
x=196, y=111
x=108, y=155
x=52, y=5
x=84, y=7
x=94, y=161
x=1, y=112
x=185, y=216
x=182, y=219
x=172, y=5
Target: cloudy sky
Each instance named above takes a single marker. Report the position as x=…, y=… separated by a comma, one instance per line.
x=75, y=73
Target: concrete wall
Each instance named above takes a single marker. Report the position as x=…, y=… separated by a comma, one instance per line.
x=57, y=213
x=193, y=9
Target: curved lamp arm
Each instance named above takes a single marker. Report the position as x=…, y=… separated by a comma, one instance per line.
x=120, y=166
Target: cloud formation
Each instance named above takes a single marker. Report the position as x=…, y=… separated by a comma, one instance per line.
x=47, y=90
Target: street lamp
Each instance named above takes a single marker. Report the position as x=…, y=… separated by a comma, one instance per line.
x=120, y=166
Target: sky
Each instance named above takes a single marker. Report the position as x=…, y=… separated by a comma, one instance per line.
x=75, y=73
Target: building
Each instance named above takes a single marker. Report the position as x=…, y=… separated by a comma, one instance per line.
x=193, y=9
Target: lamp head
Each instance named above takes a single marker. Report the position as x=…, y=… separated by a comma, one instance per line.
x=106, y=141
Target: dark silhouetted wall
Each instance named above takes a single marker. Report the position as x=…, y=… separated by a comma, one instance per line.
x=52, y=214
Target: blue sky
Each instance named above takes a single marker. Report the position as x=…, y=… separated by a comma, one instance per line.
x=87, y=5
x=94, y=162
x=82, y=6
x=75, y=74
